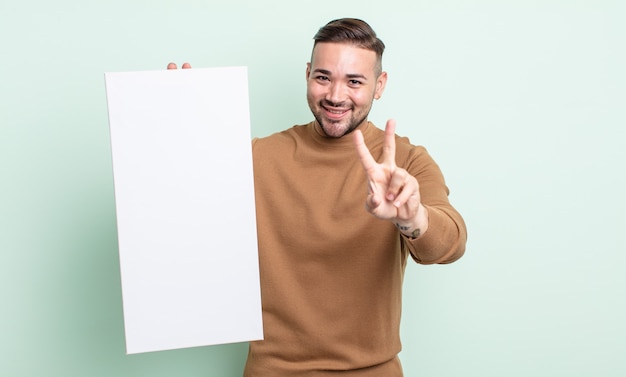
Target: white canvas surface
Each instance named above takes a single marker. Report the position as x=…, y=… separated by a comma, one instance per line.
x=182, y=166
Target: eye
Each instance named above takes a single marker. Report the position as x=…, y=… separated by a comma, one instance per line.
x=355, y=83
x=322, y=78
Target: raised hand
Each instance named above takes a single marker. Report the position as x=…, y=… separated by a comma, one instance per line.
x=393, y=193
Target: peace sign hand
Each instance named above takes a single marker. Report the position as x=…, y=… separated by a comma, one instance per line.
x=393, y=193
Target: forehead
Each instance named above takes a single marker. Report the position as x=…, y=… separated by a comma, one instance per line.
x=342, y=57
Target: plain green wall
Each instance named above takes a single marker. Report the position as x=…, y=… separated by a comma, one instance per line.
x=522, y=103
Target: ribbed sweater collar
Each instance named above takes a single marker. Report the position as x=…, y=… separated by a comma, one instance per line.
x=347, y=141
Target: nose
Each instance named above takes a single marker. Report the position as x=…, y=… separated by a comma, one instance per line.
x=335, y=93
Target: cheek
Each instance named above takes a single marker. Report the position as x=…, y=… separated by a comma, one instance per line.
x=314, y=91
x=311, y=97
x=362, y=99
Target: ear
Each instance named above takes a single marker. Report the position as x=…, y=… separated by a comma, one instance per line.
x=308, y=70
x=381, y=81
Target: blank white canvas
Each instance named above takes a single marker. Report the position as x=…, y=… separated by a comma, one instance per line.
x=182, y=166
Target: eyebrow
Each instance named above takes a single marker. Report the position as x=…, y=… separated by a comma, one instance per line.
x=350, y=75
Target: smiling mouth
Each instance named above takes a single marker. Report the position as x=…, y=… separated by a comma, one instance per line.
x=334, y=112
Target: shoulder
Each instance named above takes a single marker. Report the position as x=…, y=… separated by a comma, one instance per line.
x=276, y=138
x=375, y=137
x=278, y=141
x=405, y=150
x=404, y=147
x=409, y=155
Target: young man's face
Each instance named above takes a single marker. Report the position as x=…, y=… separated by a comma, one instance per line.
x=341, y=86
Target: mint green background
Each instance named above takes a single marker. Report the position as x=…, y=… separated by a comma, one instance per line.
x=522, y=103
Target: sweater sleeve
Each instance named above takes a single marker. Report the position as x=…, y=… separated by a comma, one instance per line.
x=444, y=241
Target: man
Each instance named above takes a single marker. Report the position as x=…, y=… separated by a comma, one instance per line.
x=331, y=273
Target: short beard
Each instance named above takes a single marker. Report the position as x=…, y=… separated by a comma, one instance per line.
x=353, y=124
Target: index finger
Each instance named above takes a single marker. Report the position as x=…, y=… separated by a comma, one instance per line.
x=365, y=156
x=389, y=146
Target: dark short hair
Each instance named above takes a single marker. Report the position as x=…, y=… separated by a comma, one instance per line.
x=351, y=31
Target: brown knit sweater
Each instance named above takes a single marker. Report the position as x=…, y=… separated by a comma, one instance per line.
x=331, y=273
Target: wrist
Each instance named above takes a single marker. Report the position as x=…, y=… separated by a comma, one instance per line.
x=416, y=227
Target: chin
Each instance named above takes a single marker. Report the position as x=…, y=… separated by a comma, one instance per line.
x=335, y=130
